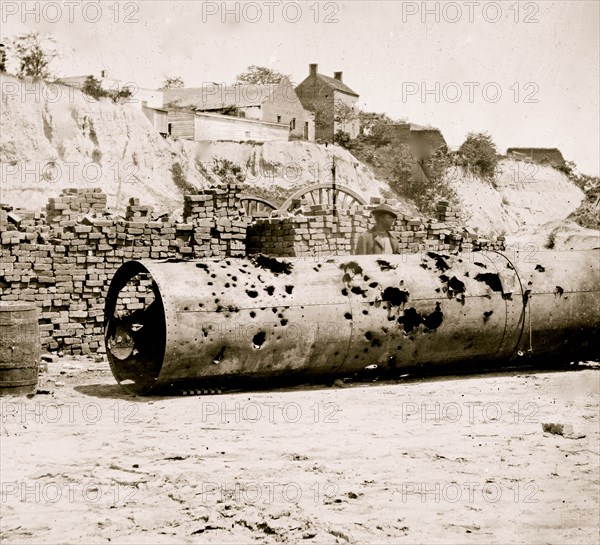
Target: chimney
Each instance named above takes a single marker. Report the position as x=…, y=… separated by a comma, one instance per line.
x=102, y=73
x=312, y=69
x=338, y=75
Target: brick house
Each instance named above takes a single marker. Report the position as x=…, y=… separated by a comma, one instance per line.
x=332, y=101
x=275, y=103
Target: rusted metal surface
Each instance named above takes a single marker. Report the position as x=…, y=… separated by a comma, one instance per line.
x=219, y=321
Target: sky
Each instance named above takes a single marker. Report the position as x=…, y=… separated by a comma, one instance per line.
x=525, y=72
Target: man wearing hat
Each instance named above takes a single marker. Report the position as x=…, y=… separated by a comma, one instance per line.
x=378, y=239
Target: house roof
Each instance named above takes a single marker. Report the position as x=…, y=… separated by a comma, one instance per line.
x=337, y=84
x=217, y=96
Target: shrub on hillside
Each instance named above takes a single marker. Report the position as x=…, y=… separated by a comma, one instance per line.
x=478, y=154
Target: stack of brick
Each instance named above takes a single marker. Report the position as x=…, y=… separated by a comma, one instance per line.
x=445, y=213
x=219, y=222
x=73, y=203
x=135, y=212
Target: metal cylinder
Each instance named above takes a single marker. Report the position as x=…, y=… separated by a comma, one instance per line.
x=237, y=321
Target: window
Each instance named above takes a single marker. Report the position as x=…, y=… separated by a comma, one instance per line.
x=278, y=119
x=306, y=130
x=293, y=123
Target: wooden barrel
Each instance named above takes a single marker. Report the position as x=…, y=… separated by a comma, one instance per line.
x=19, y=348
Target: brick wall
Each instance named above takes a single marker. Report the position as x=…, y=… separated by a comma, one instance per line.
x=64, y=258
x=317, y=232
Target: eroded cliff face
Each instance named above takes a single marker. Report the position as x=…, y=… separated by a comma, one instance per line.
x=524, y=199
x=54, y=137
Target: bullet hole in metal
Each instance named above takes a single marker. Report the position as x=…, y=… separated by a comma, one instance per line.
x=280, y=315
x=365, y=350
x=372, y=303
x=559, y=291
x=186, y=308
x=530, y=283
x=203, y=266
x=460, y=260
x=214, y=294
x=344, y=292
x=259, y=277
x=289, y=290
x=467, y=274
x=219, y=357
x=209, y=283
x=440, y=261
x=271, y=264
x=482, y=265
x=491, y=279
x=507, y=296
x=219, y=308
x=283, y=322
x=357, y=290
x=259, y=339
x=487, y=314
x=395, y=296
x=423, y=265
x=270, y=290
x=368, y=335
x=205, y=331
x=217, y=300
x=385, y=265
x=540, y=268
x=375, y=342
x=200, y=305
x=399, y=347
x=366, y=278
x=316, y=269
x=510, y=266
x=453, y=285
x=274, y=309
x=373, y=284
x=410, y=320
x=348, y=316
x=437, y=290
x=352, y=267
x=365, y=312
x=336, y=353
x=434, y=320
x=252, y=314
x=252, y=293
x=234, y=278
x=227, y=285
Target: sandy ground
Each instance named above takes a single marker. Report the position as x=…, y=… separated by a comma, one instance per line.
x=452, y=460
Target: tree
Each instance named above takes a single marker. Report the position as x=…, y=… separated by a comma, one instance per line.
x=260, y=75
x=478, y=153
x=173, y=82
x=93, y=88
x=34, y=53
x=344, y=115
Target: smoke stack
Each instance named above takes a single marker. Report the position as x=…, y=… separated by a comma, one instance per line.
x=102, y=73
x=338, y=75
x=312, y=69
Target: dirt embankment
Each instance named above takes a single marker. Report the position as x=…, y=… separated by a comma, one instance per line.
x=529, y=203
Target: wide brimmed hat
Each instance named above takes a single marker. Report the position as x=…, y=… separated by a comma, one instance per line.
x=384, y=208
